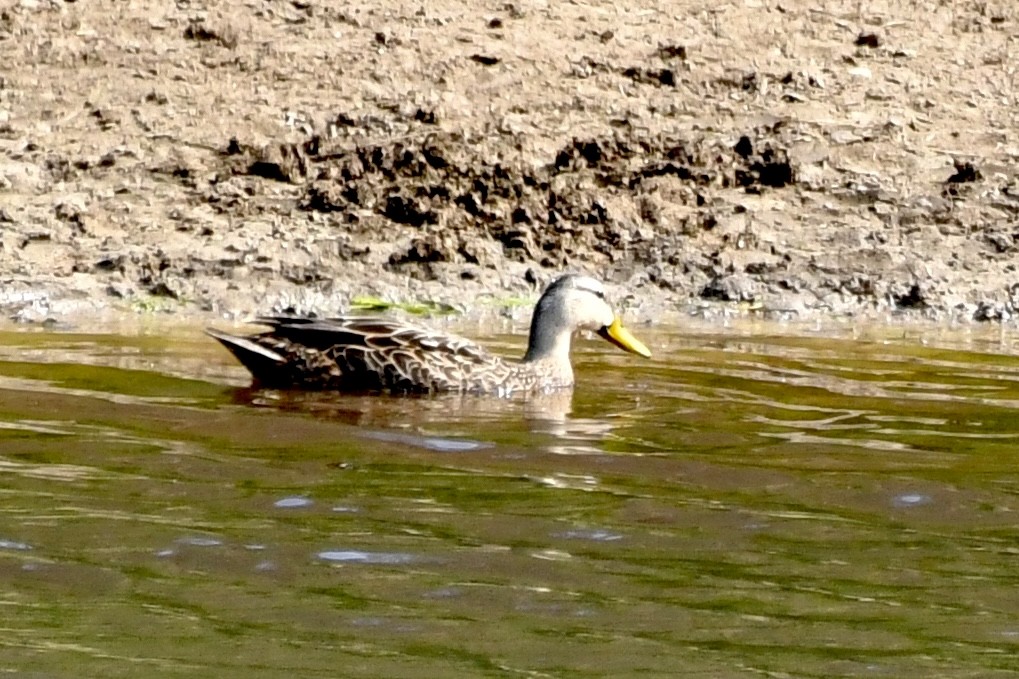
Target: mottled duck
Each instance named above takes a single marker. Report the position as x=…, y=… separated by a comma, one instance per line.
x=373, y=354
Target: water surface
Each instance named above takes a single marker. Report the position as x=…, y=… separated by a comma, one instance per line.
x=748, y=503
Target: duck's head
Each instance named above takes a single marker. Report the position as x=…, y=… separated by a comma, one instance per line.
x=572, y=303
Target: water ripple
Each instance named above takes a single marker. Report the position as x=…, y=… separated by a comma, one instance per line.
x=355, y=556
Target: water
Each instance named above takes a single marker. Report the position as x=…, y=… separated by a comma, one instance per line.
x=747, y=504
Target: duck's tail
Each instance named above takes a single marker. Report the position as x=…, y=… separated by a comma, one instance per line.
x=265, y=365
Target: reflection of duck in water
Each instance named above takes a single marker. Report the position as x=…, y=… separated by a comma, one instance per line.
x=358, y=354
x=541, y=411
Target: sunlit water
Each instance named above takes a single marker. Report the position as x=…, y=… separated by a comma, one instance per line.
x=746, y=504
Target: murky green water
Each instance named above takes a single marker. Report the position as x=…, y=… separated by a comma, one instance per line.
x=744, y=505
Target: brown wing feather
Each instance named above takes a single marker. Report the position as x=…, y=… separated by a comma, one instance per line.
x=372, y=353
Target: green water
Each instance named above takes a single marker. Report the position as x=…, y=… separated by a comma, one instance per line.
x=747, y=504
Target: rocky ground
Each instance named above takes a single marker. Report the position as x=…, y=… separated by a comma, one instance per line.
x=784, y=158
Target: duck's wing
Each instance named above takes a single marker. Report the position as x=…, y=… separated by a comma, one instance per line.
x=356, y=353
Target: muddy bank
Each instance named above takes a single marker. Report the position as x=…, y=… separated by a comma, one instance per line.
x=789, y=160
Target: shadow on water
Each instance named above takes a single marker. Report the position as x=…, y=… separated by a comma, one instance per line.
x=746, y=504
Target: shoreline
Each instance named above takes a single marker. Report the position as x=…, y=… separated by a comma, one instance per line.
x=741, y=160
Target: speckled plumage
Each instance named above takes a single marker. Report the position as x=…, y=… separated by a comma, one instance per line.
x=373, y=354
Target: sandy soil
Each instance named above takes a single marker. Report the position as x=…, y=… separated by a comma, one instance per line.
x=789, y=159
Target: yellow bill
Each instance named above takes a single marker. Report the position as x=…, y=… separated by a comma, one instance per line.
x=622, y=338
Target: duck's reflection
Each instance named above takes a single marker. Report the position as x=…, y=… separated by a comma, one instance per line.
x=375, y=409
x=444, y=422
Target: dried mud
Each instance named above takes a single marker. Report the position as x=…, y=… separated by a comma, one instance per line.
x=790, y=159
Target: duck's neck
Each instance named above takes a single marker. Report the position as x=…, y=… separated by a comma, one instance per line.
x=549, y=339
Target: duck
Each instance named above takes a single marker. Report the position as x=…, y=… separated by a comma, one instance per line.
x=371, y=354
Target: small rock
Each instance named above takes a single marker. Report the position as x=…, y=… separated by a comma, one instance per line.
x=871, y=40
x=733, y=288
x=964, y=172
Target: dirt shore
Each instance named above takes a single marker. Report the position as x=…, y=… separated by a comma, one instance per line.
x=788, y=159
